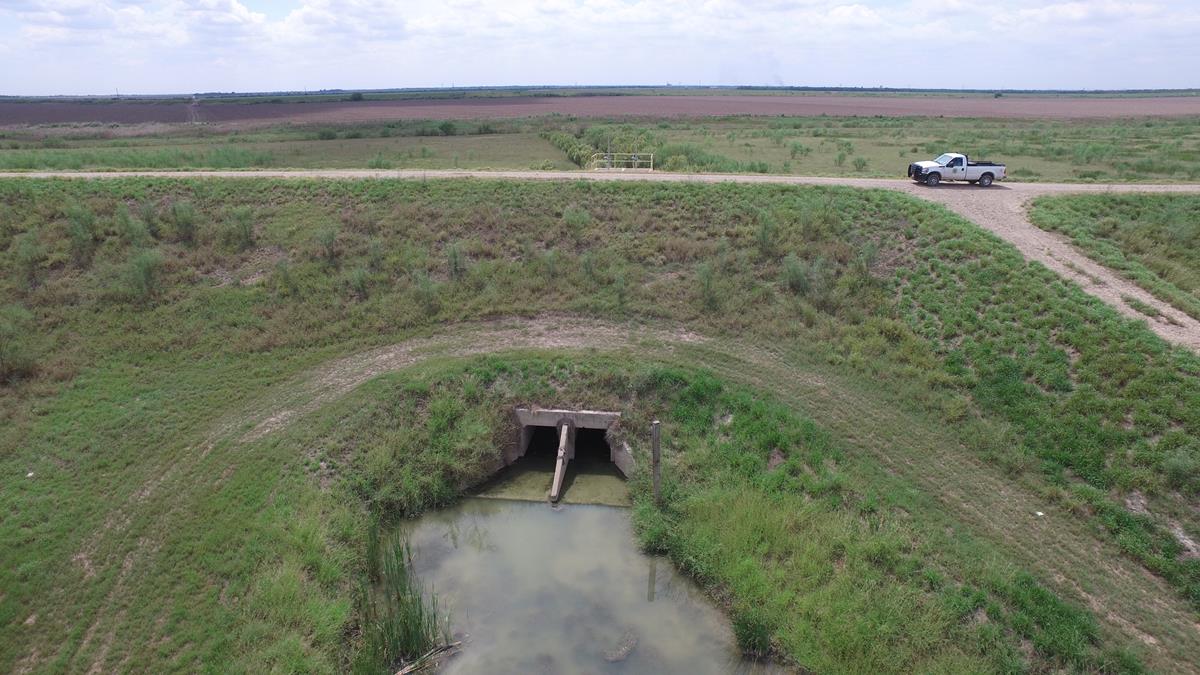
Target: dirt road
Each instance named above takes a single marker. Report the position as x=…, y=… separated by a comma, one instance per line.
x=1001, y=209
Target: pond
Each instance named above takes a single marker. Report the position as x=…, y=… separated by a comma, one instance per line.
x=531, y=588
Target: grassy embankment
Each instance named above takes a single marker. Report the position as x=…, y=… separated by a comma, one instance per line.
x=1152, y=239
x=1145, y=150
x=152, y=326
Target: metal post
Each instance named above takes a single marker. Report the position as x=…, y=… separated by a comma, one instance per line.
x=656, y=461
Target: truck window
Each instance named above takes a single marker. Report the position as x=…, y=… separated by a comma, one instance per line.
x=957, y=161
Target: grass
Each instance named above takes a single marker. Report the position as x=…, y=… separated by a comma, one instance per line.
x=399, y=621
x=1160, y=150
x=746, y=531
x=928, y=378
x=1153, y=240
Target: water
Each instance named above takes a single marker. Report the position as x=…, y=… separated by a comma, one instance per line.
x=535, y=589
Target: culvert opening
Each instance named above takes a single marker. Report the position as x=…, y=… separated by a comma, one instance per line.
x=565, y=454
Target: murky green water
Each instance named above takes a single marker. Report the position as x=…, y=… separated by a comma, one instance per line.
x=590, y=479
x=535, y=589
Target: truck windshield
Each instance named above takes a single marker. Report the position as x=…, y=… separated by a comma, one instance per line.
x=944, y=159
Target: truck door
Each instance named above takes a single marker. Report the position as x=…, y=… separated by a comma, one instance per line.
x=956, y=169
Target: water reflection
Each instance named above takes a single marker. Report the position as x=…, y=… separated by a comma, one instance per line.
x=532, y=589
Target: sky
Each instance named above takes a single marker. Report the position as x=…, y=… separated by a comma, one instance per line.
x=185, y=46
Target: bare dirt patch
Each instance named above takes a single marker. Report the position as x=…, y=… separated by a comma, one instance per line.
x=253, y=270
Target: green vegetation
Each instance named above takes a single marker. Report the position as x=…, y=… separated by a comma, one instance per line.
x=400, y=623
x=1081, y=150
x=1152, y=239
x=207, y=456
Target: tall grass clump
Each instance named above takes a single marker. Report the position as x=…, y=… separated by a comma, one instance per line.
x=620, y=284
x=399, y=624
x=81, y=231
x=239, y=229
x=30, y=255
x=456, y=262
x=327, y=242
x=425, y=293
x=16, y=350
x=142, y=275
x=183, y=218
x=706, y=280
x=795, y=275
x=359, y=281
x=576, y=219
x=766, y=237
x=131, y=230
x=148, y=213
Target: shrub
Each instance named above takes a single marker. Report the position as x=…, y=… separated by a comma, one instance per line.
x=239, y=229
x=576, y=219
x=1181, y=468
x=588, y=262
x=706, y=278
x=327, y=241
x=766, y=237
x=456, y=263
x=183, y=218
x=81, y=231
x=142, y=275
x=549, y=261
x=840, y=159
x=576, y=150
x=379, y=162
x=621, y=289
x=326, y=134
x=149, y=215
x=131, y=230
x=30, y=254
x=860, y=163
x=795, y=275
x=16, y=353
x=448, y=128
x=376, y=257
x=425, y=292
x=359, y=281
x=800, y=150
x=356, y=96
x=282, y=279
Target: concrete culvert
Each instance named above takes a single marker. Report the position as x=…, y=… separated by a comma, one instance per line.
x=577, y=440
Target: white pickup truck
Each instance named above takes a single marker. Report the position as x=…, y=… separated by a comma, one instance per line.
x=953, y=166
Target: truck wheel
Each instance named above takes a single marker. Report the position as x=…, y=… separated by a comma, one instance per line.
x=985, y=180
x=933, y=179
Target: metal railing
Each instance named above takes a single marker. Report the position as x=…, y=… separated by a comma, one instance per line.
x=622, y=161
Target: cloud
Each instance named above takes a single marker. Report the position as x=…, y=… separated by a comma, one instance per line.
x=71, y=46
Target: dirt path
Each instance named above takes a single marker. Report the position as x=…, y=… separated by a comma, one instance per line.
x=1001, y=210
